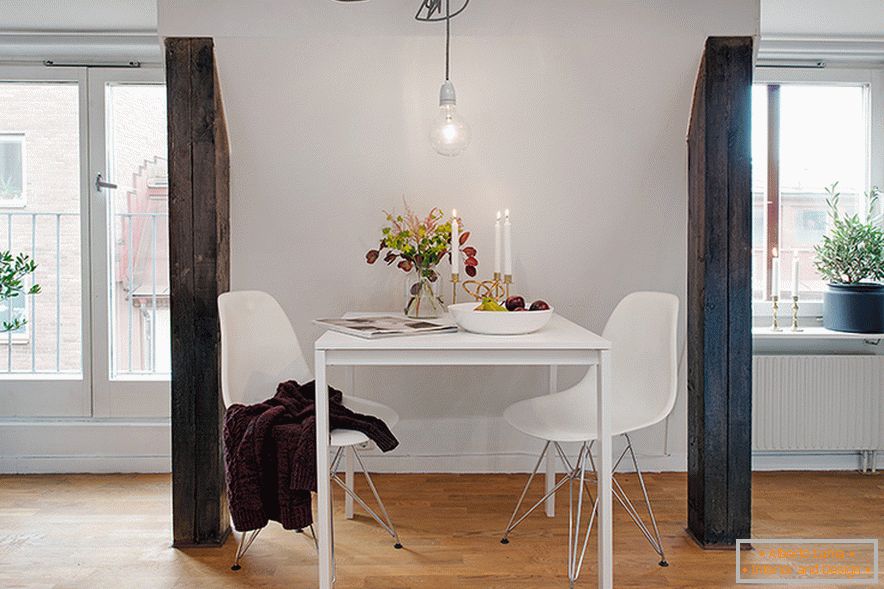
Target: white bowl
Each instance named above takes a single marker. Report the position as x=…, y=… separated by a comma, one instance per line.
x=498, y=322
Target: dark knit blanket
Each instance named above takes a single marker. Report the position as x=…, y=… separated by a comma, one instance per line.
x=270, y=454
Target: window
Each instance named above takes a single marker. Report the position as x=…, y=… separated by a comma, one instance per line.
x=12, y=169
x=805, y=137
x=13, y=309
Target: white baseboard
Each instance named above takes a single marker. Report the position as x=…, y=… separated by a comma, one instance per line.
x=808, y=461
x=69, y=464
x=496, y=463
x=109, y=446
x=84, y=445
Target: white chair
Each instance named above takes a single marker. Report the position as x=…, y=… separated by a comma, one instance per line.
x=644, y=361
x=259, y=349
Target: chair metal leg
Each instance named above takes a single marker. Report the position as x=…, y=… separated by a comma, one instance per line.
x=577, y=473
x=641, y=481
x=245, y=542
x=390, y=527
x=569, y=476
x=509, y=526
x=574, y=540
x=622, y=498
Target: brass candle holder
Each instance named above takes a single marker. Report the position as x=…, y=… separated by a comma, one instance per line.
x=795, y=327
x=775, y=326
x=497, y=288
x=455, y=278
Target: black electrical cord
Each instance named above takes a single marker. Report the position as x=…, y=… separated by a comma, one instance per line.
x=447, y=35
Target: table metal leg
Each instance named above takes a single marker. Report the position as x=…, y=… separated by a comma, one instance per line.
x=350, y=389
x=605, y=464
x=323, y=483
x=551, y=457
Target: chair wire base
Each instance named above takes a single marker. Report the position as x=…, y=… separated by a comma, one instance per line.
x=576, y=473
x=386, y=523
x=247, y=538
x=245, y=542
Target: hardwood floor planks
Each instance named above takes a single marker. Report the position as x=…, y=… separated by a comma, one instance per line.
x=70, y=531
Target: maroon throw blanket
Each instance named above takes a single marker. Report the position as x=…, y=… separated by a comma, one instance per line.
x=270, y=454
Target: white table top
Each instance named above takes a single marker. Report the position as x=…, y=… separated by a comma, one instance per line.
x=559, y=334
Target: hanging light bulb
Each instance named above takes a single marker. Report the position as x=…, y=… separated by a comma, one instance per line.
x=450, y=134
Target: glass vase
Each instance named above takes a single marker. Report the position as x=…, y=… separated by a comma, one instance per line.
x=422, y=297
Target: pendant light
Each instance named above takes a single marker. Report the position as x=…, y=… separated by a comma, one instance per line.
x=450, y=134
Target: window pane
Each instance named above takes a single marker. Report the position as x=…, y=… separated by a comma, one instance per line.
x=823, y=140
x=40, y=167
x=11, y=167
x=139, y=231
x=759, y=188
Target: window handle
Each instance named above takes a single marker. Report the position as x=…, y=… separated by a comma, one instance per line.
x=99, y=184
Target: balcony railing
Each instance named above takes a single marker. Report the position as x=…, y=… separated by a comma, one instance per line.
x=142, y=295
x=51, y=341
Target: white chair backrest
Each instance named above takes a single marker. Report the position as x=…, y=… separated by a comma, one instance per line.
x=643, y=330
x=259, y=348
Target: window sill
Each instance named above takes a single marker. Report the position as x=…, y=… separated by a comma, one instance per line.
x=813, y=333
x=12, y=204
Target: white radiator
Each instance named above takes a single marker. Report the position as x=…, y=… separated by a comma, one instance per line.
x=817, y=402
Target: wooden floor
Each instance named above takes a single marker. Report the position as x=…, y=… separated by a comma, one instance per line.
x=113, y=531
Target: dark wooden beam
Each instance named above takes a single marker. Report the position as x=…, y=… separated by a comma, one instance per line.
x=200, y=269
x=720, y=296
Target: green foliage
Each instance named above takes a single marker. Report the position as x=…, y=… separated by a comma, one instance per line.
x=853, y=249
x=420, y=244
x=13, y=270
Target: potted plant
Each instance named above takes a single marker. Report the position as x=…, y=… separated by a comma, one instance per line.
x=851, y=258
x=13, y=270
x=419, y=245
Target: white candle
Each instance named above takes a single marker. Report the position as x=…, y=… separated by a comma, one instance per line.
x=775, y=276
x=497, y=244
x=455, y=243
x=507, y=245
x=794, y=273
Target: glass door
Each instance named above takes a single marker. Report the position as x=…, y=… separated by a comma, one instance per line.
x=84, y=193
x=44, y=370
x=130, y=242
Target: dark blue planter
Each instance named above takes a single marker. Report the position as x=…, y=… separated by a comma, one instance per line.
x=857, y=308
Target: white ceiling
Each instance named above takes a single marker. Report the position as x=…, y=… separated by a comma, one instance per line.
x=823, y=17
x=786, y=17
x=78, y=16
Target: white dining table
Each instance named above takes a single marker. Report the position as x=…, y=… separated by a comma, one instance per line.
x=560, y=343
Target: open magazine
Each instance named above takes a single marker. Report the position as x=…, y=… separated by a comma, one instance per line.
x=385, y=326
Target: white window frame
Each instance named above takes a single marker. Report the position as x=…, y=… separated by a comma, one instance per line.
x=22, y=201
x=874, y=80
x=61, y=394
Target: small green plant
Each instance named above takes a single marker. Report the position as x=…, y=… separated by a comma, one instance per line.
x=13, y=270
x=853, y=249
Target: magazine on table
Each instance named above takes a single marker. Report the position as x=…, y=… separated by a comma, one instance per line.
x=385, y=326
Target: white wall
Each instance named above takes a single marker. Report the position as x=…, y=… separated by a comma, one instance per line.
x=822, y=17
x=578, y=111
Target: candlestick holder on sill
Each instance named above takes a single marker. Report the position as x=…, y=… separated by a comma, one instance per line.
x=455, y=278
x=775, y=325
x=795, y=327
x=497, y=288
